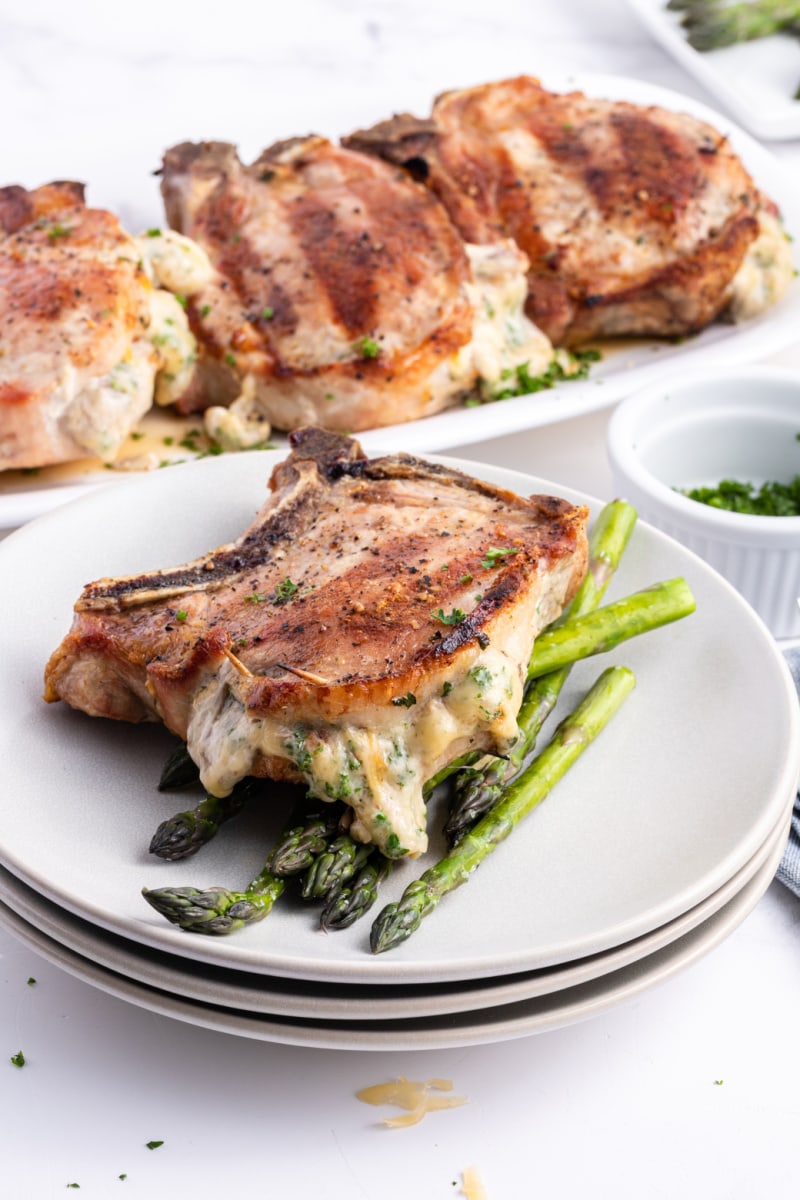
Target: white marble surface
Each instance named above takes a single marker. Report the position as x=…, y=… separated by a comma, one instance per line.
x=625, y=1106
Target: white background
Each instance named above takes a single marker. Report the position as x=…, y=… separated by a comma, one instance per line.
x=625, y=1105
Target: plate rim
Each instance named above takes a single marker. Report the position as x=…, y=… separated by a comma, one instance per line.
x=163, y=936
x=460, y=426
x=451, y=1031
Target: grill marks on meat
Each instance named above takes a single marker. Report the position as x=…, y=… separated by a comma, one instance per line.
x=79, y=318
x=344, y=295
x=635, y=220
x=345, y=577
x=318, y=248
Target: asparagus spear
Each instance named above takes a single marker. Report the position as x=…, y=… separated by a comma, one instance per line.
x=303, y=841
x=602, y=630
x=477, y=789
x=184, y=833
x=180, y=770
x=334, y=867
x=216, y=910
x=711, y=25
x=352, y=901
x=396, y=922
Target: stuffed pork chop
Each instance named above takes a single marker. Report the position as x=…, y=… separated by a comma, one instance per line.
x=635, y=220
x=374, y=622
x=343, y=295
x=92, y=332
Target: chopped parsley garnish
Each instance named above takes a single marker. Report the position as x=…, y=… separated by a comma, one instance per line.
x=447, y=687
x=154, y=233
x=368, y=348
x=256, y=598
x=154, y=1145
x=267, y=314
x=407, y=701
x=230, y=360
x=524, y=384
x=285, y=590
x=452, y=618
x=58, y=231
x=769, y=500
x=495, y=554
x=181, y=615
x=205, y=310
x=465, y=579
x=18, y=1059
x=181, y=299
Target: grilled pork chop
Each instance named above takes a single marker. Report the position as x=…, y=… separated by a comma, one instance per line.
x=344, y=296
x=373, y=623
x=89, y=338
x=635, y=220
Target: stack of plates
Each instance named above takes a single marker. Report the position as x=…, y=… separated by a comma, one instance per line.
x=654, y=847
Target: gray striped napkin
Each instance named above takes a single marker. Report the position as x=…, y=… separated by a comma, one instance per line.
x=788, y=872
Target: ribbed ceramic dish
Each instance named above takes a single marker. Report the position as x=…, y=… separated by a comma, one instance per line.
x=698, y=429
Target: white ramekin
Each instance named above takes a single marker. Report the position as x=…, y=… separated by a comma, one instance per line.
x=737, y=423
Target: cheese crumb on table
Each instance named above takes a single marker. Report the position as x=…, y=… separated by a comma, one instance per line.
x=414, y=1096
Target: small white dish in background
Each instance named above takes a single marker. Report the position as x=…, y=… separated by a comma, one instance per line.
x=755, y=81
x=696, y=430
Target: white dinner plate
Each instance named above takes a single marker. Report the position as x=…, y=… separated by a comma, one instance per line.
x=300, y=998
x=627, y=367
x=473, y=1027
x=676, y=795
x=755, y=81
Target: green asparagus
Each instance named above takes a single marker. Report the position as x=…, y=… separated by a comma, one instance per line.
x=605, y=628
x=304, y=840
x=478, y=788
x=217, y=910
x=350, y=902
x=712, y=24
x=396, y=922
x=184, y=833
x=180, y=770
x=334, y=867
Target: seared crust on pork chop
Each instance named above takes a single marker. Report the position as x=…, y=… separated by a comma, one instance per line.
x=88, y=341
x=374, y=622
x=344, y=297
x=635, y=219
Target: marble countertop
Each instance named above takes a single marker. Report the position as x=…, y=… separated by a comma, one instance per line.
x=685, y=1090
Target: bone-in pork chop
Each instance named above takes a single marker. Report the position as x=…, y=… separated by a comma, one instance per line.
x=90, y=332
x=374, y=623
x=344, y=297
x=636, y=220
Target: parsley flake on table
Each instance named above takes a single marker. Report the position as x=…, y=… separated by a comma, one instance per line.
x=18, y=1059
x=154, y=1145
x=31, y=981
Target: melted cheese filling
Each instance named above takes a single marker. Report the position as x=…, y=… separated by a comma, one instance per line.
x=379, y=769
x=502, y=336
x=765, y=273
x=174, y=262
x=159, y=362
